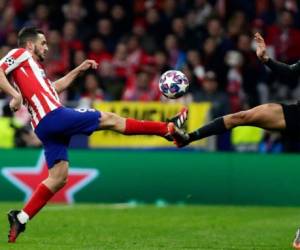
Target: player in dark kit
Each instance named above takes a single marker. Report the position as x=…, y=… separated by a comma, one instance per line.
x=55, y=124
x=271, y=116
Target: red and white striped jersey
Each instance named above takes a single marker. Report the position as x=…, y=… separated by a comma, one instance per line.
x=38, y=92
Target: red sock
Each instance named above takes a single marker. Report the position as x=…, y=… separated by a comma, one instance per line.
x=39, y=198
x=137, y=127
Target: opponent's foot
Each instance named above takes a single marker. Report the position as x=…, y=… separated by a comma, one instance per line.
x=179, y=120
x=16, y=227
x=180, y=136
x=296, y=243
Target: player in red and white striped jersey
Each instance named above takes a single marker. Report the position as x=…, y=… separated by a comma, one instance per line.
x=39, y=95
x=55, y=124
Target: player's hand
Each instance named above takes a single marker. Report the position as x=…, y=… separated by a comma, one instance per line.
x=16, y=103
x=261, y=48
x=87, y=64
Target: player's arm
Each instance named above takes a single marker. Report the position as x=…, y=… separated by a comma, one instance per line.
x=277, y=67
x=16, y=101
x=64, y=82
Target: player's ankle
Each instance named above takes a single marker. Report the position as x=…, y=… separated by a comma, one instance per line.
x=23, y=217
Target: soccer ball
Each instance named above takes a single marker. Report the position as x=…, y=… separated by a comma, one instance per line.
x=173, y=84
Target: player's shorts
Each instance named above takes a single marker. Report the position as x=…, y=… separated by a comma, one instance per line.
x=292, y=119
x=57, y=127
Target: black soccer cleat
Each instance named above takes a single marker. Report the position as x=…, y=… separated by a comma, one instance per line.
x=16, y=227
x=296, y=243
x=181, y=137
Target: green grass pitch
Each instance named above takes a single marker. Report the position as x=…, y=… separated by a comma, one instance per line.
x=96, y=226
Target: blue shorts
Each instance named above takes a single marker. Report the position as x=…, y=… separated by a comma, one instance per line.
x=57, y=127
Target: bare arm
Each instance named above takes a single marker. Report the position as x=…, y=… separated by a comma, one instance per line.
x=278, y=67
x=16, y=100
x=64, y=82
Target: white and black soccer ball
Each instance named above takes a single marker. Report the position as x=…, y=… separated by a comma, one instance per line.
x=173, y=84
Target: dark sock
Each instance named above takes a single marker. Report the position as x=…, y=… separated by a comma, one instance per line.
x=215, y=127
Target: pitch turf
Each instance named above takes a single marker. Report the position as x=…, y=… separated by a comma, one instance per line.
x=93, y=226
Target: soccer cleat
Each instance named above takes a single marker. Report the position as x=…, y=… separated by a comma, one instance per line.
x=296, y=243
x=16, y=227
x=178, y=120
x=180, y=136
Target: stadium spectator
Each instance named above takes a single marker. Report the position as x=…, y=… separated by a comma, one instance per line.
x=141, y=88
x=177, y=57
x=40, y=18
x=235, y=80
x=120, y=62
x=120, y=20
x=113, y=85
x=284, y=38
x=97, y=51
x=58, y=60
x=92, y=91
x=210, y=93
x=252, y=70
x=70, y=37
x=203, y=10
x=194, y=60
x=105, y=32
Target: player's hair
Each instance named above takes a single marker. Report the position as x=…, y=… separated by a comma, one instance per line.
x=28, y=34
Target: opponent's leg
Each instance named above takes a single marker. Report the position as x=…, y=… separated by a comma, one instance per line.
x=267, y=116
x=57, y=178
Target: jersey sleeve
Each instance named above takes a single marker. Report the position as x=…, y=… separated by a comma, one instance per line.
x=13, y=59
x=284, y=69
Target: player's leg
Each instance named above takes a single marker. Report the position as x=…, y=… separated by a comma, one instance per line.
x=57, y=161
x=43, y=193
x=57, y=178
x=129, y=126
x=267, y=116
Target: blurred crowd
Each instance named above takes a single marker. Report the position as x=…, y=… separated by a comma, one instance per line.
x=135, y=41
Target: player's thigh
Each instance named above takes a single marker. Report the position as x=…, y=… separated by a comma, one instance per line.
x=292, y=119
x=267, y=116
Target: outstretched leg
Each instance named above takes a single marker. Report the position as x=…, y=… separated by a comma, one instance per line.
x=267, y=116
x=129, y=126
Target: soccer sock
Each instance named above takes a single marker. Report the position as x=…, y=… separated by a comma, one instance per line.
x=39, y=198
x=215, y=127
x=137, y=127
x=23, y=217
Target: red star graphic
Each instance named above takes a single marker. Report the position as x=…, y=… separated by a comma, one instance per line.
x=28, y=178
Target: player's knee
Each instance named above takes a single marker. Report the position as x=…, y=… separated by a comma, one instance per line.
x=108, y=120
x=111, y=121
